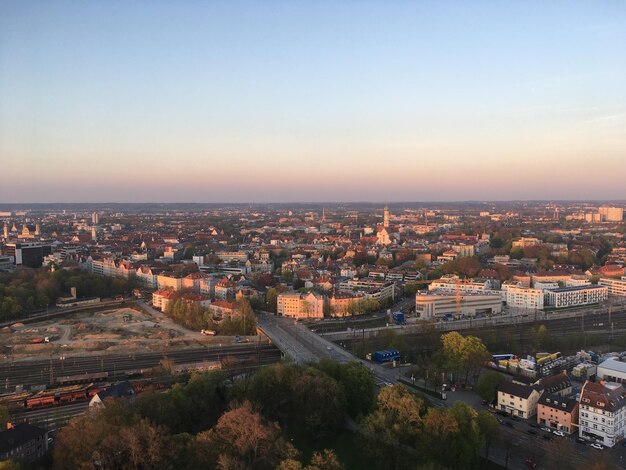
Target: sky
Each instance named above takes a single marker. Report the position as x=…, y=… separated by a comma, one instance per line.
x=281, y=101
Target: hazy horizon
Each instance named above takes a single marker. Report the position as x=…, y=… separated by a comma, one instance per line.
x=279, y=101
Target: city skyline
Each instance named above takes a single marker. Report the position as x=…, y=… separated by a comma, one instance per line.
x=281, y=102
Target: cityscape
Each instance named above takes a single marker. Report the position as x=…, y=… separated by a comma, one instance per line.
x=312, y=235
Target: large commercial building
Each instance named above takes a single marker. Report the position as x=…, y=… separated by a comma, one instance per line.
x=602, y=412
x=616, y=287
x=434, y=306
x=575, y=296
x=27, y=254
x=451, y=284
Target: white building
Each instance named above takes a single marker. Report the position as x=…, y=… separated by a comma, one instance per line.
x=612, y=370
x=436, y=306
x=451, y=283
x=602, y=414
x=575, y=296
x=524, y=297
x=616, y=286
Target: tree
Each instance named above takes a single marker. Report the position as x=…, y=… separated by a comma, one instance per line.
x=487, y=385
x=489, y=429
x=357, y=383
x=5, y=417
x=243, y=439
x=271, y=300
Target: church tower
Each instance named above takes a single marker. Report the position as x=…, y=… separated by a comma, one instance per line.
x=386, y=217
x=5, y=231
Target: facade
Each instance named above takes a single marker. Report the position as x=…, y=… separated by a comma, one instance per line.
x=602, y=412
x=524, y=298
x=170, y=281
x=519, y=400
x=297, y=305
x=616, y=287
x=575, y=296
x=557, y=412
x=376, y=289
x=452, y=284
x=433, y=306
x=23, y=442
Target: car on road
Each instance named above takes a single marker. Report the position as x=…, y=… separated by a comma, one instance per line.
x=530, y=463
x=558, y=433
x=533, y=425
x=595, y=445
x=580, y=440
x=543, y=428
x=532, y=431
x=547, y=437
x=329, y=348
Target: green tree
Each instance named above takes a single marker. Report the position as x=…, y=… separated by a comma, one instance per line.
x=489, y=429
x=487, y=385
x=271, y=299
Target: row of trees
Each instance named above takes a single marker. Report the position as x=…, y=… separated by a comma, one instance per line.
x=27, y=290
x=191, y=315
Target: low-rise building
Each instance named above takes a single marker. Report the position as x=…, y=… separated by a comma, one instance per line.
x=519, y=400
x=23, y=442
x=602, y=412
x=557, y=412
x=612, y=370
x=162, y=297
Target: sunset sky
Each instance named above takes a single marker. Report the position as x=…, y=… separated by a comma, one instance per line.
x=233, y=101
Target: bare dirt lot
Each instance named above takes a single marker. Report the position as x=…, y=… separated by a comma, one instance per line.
x=118, y=329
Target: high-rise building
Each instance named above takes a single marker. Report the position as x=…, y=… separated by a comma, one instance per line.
x=611, y=214
x=95, y=218
x=28, y=254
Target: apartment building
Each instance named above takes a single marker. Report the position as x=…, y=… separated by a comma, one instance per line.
x=519, y=400
x=575, y=296
x=602, y=412
x=557, y=412
x=297, y=305
x=616, y=287
x=523, y=297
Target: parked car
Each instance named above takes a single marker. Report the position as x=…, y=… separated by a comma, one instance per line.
x=547, y=437
x=558, y=433
x=532, y=431
x=580, y=440
x=533, y=425
x=543, y=428
x=595, y=445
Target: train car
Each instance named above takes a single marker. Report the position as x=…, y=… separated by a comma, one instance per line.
x=82, y=378
x=39, y=401
x=71, y=396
